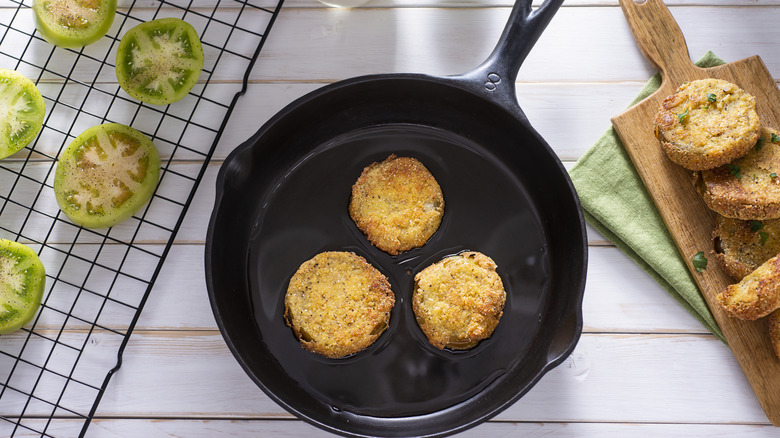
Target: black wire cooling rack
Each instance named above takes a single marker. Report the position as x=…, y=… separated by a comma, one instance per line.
x=54, y=371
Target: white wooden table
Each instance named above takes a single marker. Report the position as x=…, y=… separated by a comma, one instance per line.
x=643, y=366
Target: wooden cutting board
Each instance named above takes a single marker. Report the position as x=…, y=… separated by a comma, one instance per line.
x=688, y=219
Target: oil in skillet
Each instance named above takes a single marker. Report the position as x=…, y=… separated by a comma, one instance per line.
x=487, y=209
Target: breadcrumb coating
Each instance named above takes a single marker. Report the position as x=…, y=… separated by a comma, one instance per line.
x=755, y=296
x=707, y=123
x=749, y=187
x=397, y=204
x=338, y=304
x=742, y=246
x=459, y=300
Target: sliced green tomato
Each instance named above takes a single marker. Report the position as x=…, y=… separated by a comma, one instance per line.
x=159, y=61
x=22, y=280
x=106, y=175
x=21, y=112
x=73, y=23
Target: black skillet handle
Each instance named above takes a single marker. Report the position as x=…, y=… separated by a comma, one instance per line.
x=495, y=77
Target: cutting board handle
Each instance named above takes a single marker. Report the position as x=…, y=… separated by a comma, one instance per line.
x=659, y=38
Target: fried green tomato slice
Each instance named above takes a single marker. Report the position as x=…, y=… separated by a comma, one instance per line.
x=747, y=188
x=106, y=175
x=21, y=112
x=755, y=296
x=338, y=304
x=73, y=23
x=159, y=61
x=22, y=281
x=707, y=123
x=397, y=204
x=742, y=246
x=459, y=300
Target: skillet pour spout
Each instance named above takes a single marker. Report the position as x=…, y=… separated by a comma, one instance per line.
x=282, y=197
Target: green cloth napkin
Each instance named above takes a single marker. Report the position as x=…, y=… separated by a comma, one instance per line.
x=616, y=203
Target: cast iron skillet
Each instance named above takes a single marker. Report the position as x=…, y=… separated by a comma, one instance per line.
x=282, y=197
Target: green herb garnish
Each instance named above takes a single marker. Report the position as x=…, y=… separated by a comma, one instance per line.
x=775, y=138
x=763, y=236
x=734, y=169
x=756, y=225
x=699, y=261
x=682, y=116
x=773, y=175
x=711, y=97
